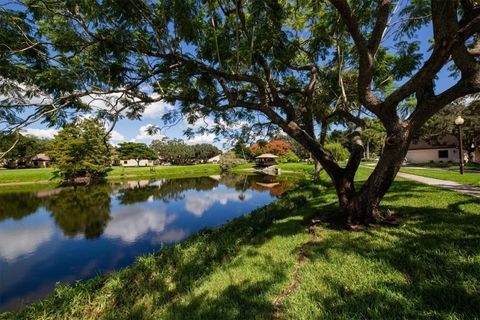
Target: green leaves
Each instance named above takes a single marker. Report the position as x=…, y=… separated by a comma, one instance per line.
x=135, y=150
x=81, y=149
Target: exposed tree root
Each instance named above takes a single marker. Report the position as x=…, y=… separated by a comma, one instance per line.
x=334, y=220
x=295, y=283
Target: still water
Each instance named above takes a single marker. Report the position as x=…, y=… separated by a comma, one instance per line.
x=67, y=234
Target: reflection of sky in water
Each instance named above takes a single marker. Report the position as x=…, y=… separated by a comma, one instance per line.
x=131, y=222
x=35, y=253
x=18, y=238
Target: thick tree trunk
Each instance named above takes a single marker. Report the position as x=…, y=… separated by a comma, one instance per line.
x=362, y=206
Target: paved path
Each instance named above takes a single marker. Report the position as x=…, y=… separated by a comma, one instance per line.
x=441, y=169
x=451, y=185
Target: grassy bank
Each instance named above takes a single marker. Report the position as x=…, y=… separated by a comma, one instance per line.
x=270, y=264
x=468, y=178
x=469, y=165
x=46, y=174
x=26, y=175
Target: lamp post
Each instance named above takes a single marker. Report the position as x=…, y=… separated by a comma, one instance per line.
x=459, y=122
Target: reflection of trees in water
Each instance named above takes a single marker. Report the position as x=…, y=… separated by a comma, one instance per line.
x=18, y=205
x=168, y=190
x=86, y=210
x=254, y=182
x=83, y=210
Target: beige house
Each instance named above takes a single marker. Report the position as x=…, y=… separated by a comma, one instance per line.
x=133, y=163
x=41, y=160
x=445, y=150
x=214, y=159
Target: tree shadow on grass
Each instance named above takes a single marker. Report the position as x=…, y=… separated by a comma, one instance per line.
x=159, y=281
x=244, y=299
x=435, y=252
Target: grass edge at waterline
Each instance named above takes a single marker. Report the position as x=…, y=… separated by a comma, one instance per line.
x=427, y=267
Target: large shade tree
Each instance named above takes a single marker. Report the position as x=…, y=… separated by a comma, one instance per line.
x=269, y=63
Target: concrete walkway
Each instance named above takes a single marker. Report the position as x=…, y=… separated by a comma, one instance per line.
x=440, y=169
x=451, y=185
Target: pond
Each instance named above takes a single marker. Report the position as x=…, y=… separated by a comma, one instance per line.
x=67, y=234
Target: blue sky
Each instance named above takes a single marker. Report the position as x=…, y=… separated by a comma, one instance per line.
x=134, y=130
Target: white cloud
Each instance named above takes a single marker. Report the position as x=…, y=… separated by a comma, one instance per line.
x=169, y=236
x=109, y=101
x=157, y=109
x=143, y=136
x=133, y=221
x=117, y=137
x=198, y=203
x=23, y=239
x=41, y=133
x=204, y=138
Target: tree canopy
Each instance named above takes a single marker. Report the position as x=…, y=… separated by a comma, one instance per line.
x=249, y=65
x=81, y=149
x=25, y=148
x=176, y=151
x=443, y=124
x=137, y=151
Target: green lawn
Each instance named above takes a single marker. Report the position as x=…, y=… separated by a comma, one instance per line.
x=469, y=165
x=25, y=175
x=266, y=264
x=165, y=171
x=472, y=179
x=44, y=174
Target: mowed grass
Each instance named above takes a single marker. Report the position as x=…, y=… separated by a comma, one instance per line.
x=468, y=165
x=46, y=174
x=428, y=267
x=26, y=175
x=467, y=178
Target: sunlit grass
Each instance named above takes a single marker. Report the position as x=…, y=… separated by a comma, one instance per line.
x=466, y=178
x=46, y=174
x=428, y=267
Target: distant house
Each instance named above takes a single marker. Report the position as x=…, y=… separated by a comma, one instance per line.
x=214, y=159
x=41, y=160
x=134, y=163
x=266, y=160
x=443, y=150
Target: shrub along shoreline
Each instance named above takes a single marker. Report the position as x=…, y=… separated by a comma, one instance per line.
x=271, y=263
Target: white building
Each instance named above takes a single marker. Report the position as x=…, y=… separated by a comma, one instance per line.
x=445, y=150
x=214, y=159
x=133, y=163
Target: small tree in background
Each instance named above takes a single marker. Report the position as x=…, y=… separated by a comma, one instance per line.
x=137, y=151
x=339, y=152
x=25, y=148
x=443, y=124
x=288, y=157
x=242, y=151
x=278, y=147
x=175, y=151
x=204, y=151
x=81, y=150
x=229, y=160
